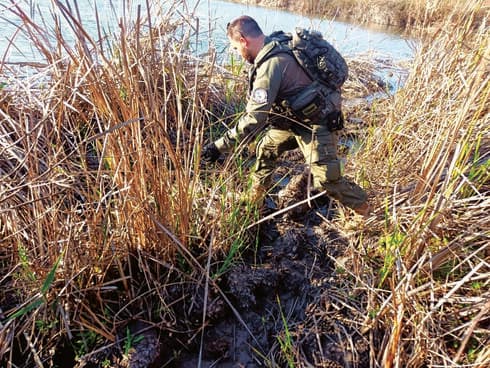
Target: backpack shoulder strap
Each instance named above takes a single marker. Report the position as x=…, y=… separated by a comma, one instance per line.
x=279, y=44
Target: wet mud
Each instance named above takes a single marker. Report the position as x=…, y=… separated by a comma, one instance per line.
x=287, y=297
x=288, y=301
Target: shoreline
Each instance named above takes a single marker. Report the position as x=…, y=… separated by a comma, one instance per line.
x=402, y=14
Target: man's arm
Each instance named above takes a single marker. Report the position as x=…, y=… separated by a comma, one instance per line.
x=264, y=92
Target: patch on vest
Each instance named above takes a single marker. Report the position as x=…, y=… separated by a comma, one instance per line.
x=259, y=95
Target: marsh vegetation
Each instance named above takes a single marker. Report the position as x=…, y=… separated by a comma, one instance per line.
x=118, y=248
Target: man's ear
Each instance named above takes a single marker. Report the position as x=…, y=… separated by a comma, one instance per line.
x=244, y=41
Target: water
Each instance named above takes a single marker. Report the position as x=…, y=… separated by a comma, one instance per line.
x=348, y=38
x=212, y=18
x=351, y=40
x=15, y=46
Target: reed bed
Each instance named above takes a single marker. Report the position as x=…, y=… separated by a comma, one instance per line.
x=103, y=201
x=426, y=250
x=107, y=215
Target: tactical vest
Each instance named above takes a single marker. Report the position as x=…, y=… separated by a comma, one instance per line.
x=309, y=105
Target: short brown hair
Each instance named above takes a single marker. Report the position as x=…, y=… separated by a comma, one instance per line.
x=243, y=26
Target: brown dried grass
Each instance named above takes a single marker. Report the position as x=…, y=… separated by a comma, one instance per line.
x=404, y=14
x=99, y=164
x=425, y=251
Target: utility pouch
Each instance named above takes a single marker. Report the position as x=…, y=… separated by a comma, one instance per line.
x=309, y=105
x=280, y=117
x=335, y=121
x=334, y=171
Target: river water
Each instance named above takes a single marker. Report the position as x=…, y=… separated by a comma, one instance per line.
x=212, y=15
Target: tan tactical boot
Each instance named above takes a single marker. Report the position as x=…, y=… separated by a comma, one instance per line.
x=257, y=195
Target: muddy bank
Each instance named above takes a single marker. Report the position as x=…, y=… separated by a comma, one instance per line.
x=289, y=301
x=388, y=14
x=288, y=296
x=398, y=14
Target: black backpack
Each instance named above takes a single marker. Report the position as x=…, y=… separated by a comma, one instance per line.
x=320, y=60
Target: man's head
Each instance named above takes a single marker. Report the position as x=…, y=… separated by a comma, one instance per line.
x=246, y=37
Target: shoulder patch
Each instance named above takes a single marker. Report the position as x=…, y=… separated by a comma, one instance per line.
x=259, y=95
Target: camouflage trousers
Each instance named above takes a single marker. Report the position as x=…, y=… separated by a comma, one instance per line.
x=319, y=148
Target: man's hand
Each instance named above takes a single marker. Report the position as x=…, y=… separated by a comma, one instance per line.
x=210, y=153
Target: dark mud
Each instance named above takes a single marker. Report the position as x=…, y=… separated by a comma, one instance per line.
x=293, y=306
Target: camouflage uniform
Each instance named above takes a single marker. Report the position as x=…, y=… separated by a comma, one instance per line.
x=274, y=79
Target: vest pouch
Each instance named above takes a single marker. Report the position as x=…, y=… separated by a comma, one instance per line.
x=335, y=121
x=334, y=171
x=309, y=104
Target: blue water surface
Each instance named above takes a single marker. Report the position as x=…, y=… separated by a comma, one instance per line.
x=209, y=16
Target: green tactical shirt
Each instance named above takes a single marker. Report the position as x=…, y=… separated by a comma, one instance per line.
x=274, y=77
